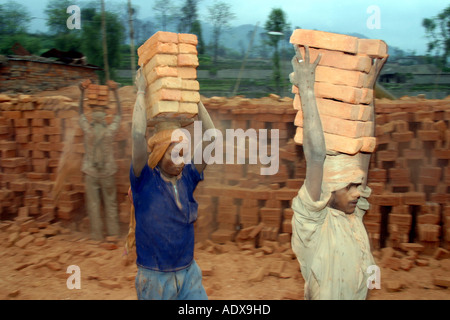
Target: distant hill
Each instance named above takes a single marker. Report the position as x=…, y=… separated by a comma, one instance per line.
x=237, y=38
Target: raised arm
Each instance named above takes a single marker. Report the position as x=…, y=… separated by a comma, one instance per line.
x=139, y=127
x=207, y=124
x=114, y=87
x=83, y=86
x=371, y=81
x=314, y=146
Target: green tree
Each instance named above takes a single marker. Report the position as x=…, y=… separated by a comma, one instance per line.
x=14, y=18
x=14, y=22
x=276, y=27
x=197, y=30
x=91, y=39
x=219, y=15
x=438, y=32
x=164, y=12
x=65, y=39
x=188, y=16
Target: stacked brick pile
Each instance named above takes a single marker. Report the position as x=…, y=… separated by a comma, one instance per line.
x=97, y=95
x=342, y=88
x=409, y=173
x=249, y=207
x=169, y=61
x=41, y=138
x=32, y=74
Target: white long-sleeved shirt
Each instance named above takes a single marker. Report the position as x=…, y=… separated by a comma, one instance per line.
x=332, y=247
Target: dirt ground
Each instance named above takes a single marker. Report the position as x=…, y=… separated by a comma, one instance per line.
x=35, y=261
x=37, y=269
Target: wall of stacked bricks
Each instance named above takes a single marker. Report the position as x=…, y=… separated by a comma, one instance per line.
x=409, y=173
x=33, y=76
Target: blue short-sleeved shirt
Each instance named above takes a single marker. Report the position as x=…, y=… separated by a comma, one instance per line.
x=164, y=231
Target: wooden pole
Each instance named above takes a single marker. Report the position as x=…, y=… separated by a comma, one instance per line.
x=105, y=46
x=132, y=53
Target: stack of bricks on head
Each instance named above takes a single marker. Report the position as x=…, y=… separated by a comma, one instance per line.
x=97, y=95
x=169, y=63
x=344, y=98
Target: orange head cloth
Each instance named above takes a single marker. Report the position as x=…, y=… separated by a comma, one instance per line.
x=160, y=142
x=340, y=170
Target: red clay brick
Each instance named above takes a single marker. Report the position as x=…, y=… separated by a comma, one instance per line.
x=188, y=108
x=341, y=127
x=373, y=48
x=160, y=72
x=187, y=60
x=325, y=40
x=341, y=93
x=338, y=109
x=187, y=48
x=160, y=60
x=187, y=38
x=162, y=107
x=190, y=96
x=187, y=73
x=335, y=142
x=165, y=83
x=340, y=77
x=340, y=60
x=192, y=85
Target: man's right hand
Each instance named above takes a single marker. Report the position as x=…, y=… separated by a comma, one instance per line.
x=84, y=85
x=304, y=72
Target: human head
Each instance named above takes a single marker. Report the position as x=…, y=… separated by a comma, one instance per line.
x=161, y=145
x=98, y=115
x=167, y=165
x=342, y=174
x=345, y=199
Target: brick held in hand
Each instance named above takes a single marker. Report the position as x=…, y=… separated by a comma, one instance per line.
x=187, y=38
x=341, y=93
x=341, y=127
x=102, y=90
x=160, y=108
x=161, y=72
x=340, y=60
x=188, y=108
x=187, y=48
x=340, y=143
x=338, y=109
x=187, y=60
x=325, y=40
x=160, y=36
x=158, y=48
x=187, y=73
x=164, y=95
x=190, y=96
x=372, y=48
x=192, y=85
x=165, y=83
x=160, y=60
x=340, y=77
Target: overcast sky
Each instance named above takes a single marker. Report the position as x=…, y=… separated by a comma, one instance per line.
x=399, y=23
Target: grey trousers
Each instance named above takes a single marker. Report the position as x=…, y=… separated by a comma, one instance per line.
x=98, y=189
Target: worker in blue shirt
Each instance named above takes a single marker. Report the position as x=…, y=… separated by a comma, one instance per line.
x=164, y=209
